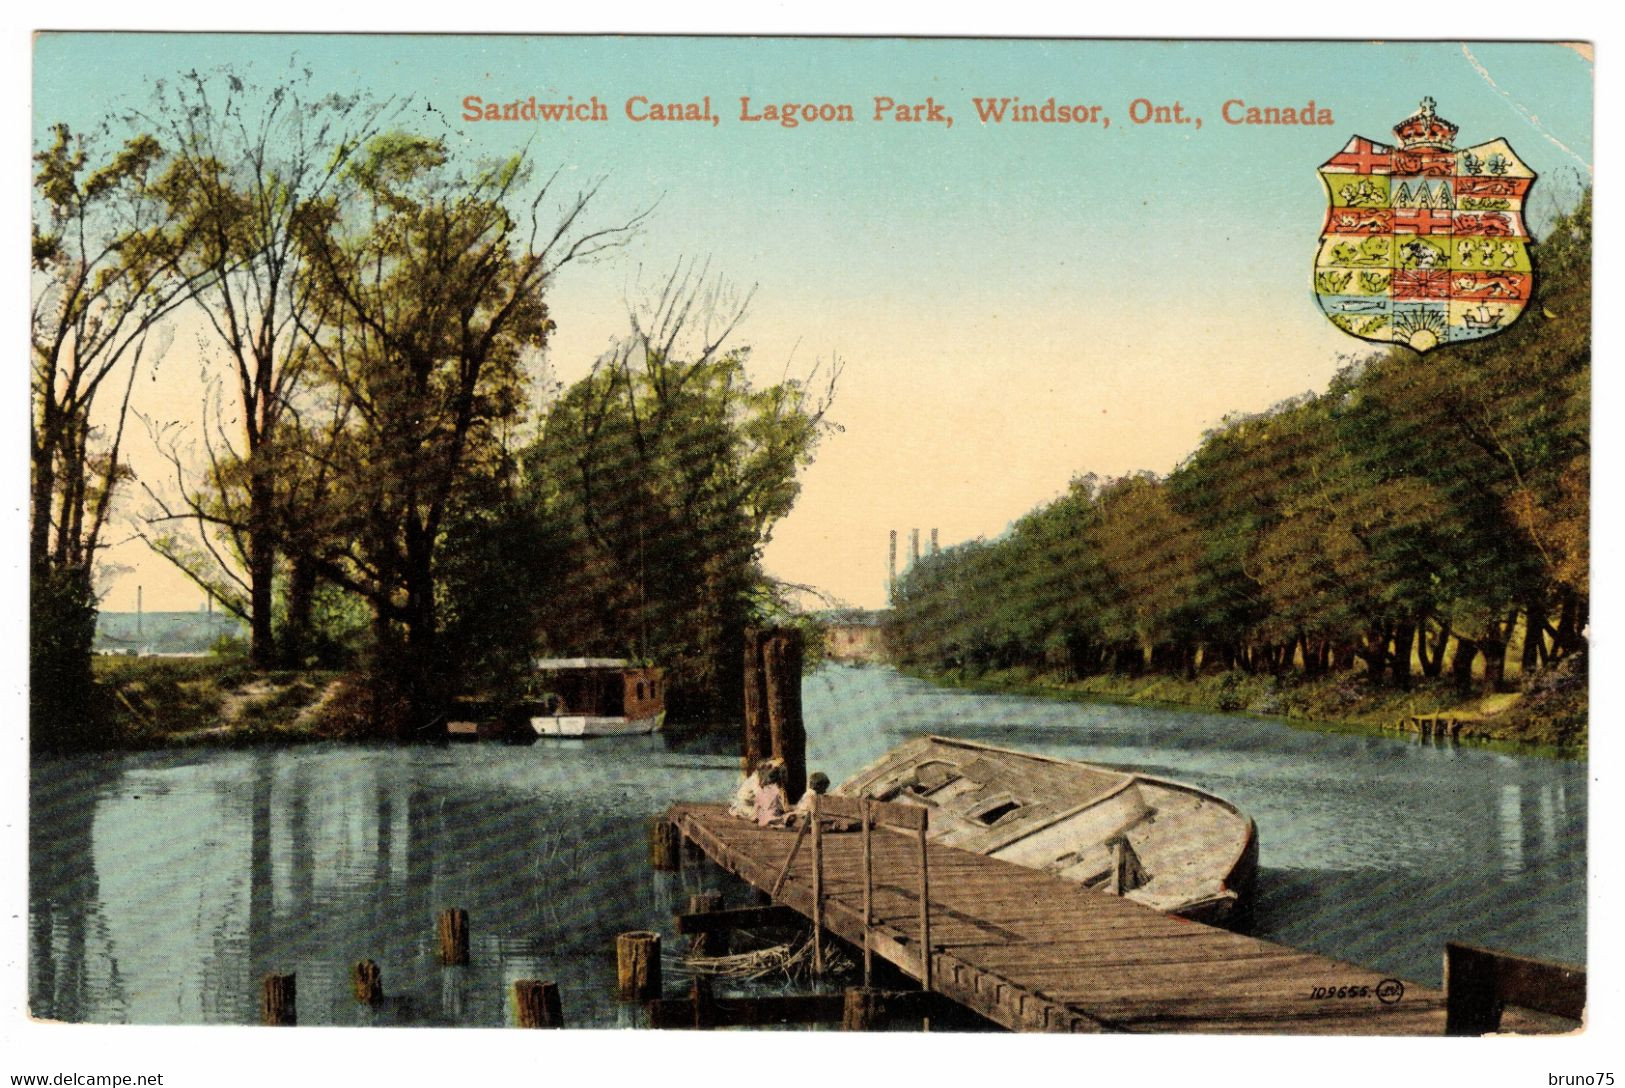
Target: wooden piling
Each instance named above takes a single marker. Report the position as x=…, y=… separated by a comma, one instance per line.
x=536, y=1004
x=758, y=733
x=868, y=892
x=367, y=981
x=637, y=960
x=925, y=912
x=279, y=1000
x=818, y=888
x=863, y=1009
x=708, y=943
x=1480, y=983
x=702, y=999
x=453, y=930
x=782, y=657
x=665, y=846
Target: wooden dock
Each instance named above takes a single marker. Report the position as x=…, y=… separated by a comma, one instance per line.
x=1034, y=952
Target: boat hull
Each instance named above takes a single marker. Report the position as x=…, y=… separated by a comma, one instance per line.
x=1166, y=844
x=585, y=725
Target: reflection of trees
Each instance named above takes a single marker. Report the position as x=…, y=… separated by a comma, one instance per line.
x=260, y=905
x=64, y=900
x=212, y=870
x=301, y=864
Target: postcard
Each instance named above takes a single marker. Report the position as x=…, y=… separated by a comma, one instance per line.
x=812, y=533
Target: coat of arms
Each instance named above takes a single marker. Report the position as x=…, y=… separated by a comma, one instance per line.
x=1425, y=243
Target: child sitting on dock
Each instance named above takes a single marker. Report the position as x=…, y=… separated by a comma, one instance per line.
x=817, y=783
x=770, y=799
x=744, y=802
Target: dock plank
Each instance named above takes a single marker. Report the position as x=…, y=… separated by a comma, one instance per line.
x=1035, y=952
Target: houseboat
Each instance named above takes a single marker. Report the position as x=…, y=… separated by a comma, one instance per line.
x=1168, y=845
x=597, y=697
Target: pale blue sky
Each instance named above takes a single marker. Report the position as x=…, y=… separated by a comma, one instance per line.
x=1014, y=303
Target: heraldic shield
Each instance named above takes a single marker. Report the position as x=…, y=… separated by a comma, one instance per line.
x=1425, y=243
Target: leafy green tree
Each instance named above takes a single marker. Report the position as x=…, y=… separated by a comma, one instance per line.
x=1151, y=553
x=670, y=468
x=500, y=563
x=245, y=165
x=100, y=295
x=1229, y=488
x=432, y=302
x=1499, y=428
x=1419, y=502
x=1068, y=580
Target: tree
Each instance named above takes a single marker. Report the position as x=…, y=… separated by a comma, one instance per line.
x=432, y=298
x=101, y=291
x=246, y=165
x=1500, y=430
x=1150, y=552
x=1228, y=487
x=1417, y=501
x=671, y=468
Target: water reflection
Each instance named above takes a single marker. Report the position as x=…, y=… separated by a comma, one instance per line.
x=164, y=886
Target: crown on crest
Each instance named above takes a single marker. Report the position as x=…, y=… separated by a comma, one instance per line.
x=1425, y=128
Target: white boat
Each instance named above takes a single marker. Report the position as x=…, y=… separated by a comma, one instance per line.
x=1168, y=845
x=598, y=697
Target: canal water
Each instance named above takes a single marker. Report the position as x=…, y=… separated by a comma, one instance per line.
x=164, y=885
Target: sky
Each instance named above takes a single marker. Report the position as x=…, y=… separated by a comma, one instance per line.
x=1011, y=304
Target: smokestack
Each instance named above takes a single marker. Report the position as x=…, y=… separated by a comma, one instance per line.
x=138, y=612
x=933, y=542
x=891, y=571
x=913, y=546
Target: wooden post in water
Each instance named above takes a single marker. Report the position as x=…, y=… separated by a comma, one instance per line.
x=278, y=1001
x=453, y=930
x=367, y=981
x=536, y=1004
x=702, y=1002
x=862, y=1010
x=818, y=888
x=758, y=732
x=868, y=895
x=782, y=660
x=925, y=911
x=637, y=960
x=705, y=944
x=665, y=845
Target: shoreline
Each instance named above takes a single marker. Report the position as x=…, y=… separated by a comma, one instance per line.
x=1536, y=724
x=151, y=704
x=157, y=703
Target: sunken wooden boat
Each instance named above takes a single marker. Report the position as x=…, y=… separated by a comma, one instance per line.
x=598, y=697
x=1162, y=843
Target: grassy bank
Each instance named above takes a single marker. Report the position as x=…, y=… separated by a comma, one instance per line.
x=1551, y=715
x=156, y=702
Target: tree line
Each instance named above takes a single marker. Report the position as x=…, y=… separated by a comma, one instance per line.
x=379, y=474
x=1423, y=513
